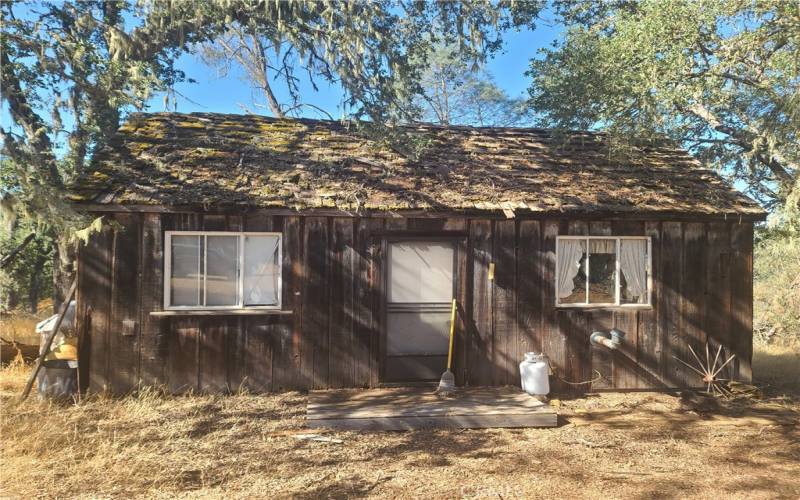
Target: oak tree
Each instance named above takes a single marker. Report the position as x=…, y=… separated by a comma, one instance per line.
x=71, y=70
x=720, y=76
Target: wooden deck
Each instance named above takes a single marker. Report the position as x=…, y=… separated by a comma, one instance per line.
x=420, y=408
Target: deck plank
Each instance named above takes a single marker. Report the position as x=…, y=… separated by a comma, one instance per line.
x=416, y=408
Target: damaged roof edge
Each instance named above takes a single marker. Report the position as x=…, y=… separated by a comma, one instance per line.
x=495, y=213
x=240, y=162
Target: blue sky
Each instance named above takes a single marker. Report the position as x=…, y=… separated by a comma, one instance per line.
x=211, y=93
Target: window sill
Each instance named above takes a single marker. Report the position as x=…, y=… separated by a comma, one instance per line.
x=220, y=312
x=580, y=307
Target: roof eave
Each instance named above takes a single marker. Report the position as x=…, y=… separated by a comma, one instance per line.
x=753, y=215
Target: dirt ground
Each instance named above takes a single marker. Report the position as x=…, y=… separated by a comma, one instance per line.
x=641, y=445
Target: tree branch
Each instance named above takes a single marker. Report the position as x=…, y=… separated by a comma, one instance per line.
x=300, y=105
x=24, y=115
x=7, y=260
x=746, y=142
x=271, y=100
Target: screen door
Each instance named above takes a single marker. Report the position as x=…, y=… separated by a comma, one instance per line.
x=420, y=294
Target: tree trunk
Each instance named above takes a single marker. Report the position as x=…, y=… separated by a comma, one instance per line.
x=35, y=285
x=10, y=299
x=63, y=272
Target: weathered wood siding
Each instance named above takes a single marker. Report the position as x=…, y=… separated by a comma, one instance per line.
x=333, y=282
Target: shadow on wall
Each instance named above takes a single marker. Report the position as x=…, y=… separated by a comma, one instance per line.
x=333, y=281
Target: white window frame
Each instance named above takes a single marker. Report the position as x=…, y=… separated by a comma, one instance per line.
x=239, y=270
x=617, y=272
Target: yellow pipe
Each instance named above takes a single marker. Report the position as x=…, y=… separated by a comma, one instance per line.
x=452, y=335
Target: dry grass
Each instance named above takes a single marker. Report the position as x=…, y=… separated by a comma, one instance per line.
x=244, y=446
x=778, y=366
x=21, y=325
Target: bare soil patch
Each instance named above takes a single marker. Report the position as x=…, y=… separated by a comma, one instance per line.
x=639, y=445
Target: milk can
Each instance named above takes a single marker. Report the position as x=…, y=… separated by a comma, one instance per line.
x=534, y=372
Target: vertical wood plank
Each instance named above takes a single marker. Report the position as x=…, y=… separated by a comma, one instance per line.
x=341, y=277
x=213, y=356
x=695, y=275
x=464, y=308
x=718, y=291
x=529, y=278
x=153, y=337
x=625, y=363
x=364, y=334
x=553, y=343
x=182, y=363
x=573, y=329
x=82, y=321
x=651, y=347
x=395, y=223
x=97, y=294
x=602, y=359
x=482, y=351
x=362, y=317
x=315, y=299
x=234, y=222
x=125, y=315
x=377, y=284
x=258, y=355
x=214, y=222
x=455, y=224
x=293, y=373
x=670, y=311
x=741, y=319
x=504, y=304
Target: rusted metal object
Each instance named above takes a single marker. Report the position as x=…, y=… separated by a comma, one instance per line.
x=708, y=370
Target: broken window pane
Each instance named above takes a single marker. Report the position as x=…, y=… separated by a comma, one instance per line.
x=262, y=270
x=602, y=271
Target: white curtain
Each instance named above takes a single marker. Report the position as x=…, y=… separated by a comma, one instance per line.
x=633, y=263
x=569, y=262
x=602, y=246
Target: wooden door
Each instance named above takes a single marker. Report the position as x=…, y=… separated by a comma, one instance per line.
x=421, y=277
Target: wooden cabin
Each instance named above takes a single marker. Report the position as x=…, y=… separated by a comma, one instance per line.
x=245, y=251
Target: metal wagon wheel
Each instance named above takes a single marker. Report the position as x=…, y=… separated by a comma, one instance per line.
x=709, y=370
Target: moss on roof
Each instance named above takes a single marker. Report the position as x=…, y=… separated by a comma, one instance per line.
x=204, y=159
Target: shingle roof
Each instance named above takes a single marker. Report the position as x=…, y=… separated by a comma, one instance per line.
x=204, y=159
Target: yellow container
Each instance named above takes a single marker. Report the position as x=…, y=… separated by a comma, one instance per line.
x=66, y=348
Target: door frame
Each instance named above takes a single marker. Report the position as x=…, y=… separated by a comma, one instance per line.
x=459, y=252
